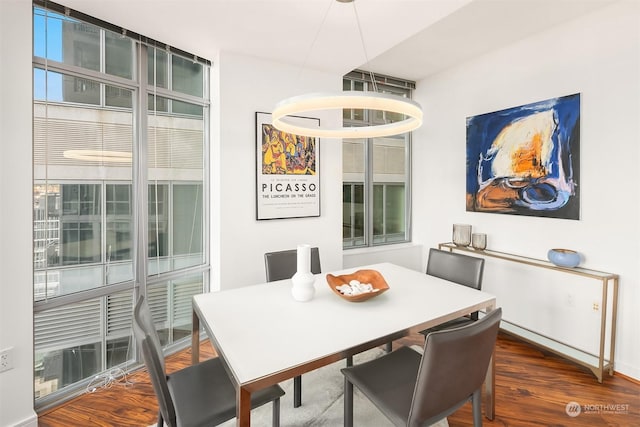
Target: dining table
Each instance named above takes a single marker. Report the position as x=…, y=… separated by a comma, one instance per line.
x=264, y=336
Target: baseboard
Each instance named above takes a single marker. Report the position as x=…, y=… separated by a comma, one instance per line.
x=626, y=377
x=31, y=421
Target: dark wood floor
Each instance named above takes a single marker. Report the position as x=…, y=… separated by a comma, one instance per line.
x=532, y=389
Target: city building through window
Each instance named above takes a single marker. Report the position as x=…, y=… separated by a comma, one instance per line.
x=119, y=191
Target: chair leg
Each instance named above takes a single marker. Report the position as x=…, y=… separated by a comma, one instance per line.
x=297, y=391
x=476, y=404
x=349, y=361
x=389, y=347
x=160, y=422
x=275, y=417
x=348, y=403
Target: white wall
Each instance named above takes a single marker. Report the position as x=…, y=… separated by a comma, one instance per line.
x=16, y=289
x=239, y=241
x=598, y=56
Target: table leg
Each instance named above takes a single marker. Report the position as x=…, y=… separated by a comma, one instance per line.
x=243, y=407
x=297, y=391
x=195, y=339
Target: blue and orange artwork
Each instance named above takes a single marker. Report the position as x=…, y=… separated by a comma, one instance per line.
x=525, y=160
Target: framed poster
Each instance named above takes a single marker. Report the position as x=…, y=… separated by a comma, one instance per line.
x=287, y=171
x=525, y=160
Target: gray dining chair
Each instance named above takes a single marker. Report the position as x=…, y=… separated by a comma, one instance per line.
x=458, y=268
x=199, y=395
x=282, y=265
x=414, y=390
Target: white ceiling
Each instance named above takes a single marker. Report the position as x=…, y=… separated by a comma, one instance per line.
x=402, y=38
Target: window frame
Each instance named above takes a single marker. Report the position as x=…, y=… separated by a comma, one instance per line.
x=192, y=276
x=365, y=81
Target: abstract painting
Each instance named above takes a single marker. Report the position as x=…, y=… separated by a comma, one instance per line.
x=525, y=160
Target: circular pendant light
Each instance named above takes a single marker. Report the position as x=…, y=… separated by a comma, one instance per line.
x=347, y=100
x=373, y=101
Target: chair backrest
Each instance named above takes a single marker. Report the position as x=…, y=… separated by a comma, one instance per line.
x=454, y=365
x=283, y=264
x=147, y=337
x=142, y=315
x=459, y=268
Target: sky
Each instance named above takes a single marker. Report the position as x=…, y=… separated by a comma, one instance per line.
x=47, y=43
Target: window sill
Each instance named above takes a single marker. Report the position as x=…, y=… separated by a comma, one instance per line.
x=405, y=254
x=380, y=248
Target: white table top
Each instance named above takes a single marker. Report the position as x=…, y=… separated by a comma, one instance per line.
x=261, y=330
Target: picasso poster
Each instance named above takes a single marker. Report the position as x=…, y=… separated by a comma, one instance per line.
x=287, y=171
x=525, y=160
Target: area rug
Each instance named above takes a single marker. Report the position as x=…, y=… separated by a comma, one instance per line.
x=322, y=402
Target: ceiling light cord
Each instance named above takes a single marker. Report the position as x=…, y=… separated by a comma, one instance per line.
x=315, y=39
x=364, y=48
x=286, y=111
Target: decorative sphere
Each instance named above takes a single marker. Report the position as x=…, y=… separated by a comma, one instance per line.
x=564, y=257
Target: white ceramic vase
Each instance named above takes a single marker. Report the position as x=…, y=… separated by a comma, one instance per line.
x=303, y=289
x=303, y=280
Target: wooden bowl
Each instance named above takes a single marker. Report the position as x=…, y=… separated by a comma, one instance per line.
x=363, y=276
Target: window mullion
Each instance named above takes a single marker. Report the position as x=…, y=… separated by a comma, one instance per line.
x=385, y=188
x=170, y=225
x=352, y=228
x=140, y=172
x=368, y=192
x=103, y=67
x=76, y=71
x=408, y=187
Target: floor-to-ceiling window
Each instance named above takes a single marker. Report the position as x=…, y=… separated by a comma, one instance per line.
x=120, y=194
x=376, y=185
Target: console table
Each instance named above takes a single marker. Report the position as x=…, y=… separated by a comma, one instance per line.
x=597, y=363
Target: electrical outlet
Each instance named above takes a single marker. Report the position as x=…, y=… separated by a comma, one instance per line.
x=571, y=302
x=6, y=360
